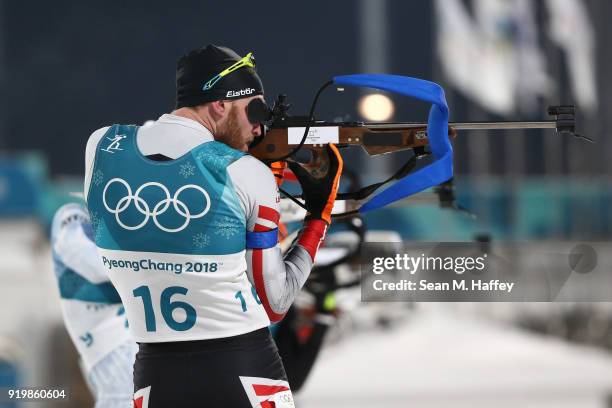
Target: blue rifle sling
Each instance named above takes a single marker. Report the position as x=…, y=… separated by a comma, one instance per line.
x=441, y=169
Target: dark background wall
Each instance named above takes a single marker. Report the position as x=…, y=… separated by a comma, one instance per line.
x=72, y=67
x=69, y=67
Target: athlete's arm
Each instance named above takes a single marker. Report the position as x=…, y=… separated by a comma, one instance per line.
x=72, y=245
x=277, y=279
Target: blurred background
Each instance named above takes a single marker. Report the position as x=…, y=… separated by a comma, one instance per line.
x=69, y=68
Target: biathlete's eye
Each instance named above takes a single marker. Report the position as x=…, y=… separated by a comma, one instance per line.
x=258, y=111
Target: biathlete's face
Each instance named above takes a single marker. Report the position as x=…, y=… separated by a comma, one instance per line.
x=234, y=129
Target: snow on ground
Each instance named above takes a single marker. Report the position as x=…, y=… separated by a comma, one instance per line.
x=441, y=360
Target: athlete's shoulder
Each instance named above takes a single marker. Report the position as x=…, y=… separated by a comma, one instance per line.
x=252, y=171
x=90, y=154
x=255, y=185
x=101, y=131
x=92, y=142
x=256, y=166
x=97, y=135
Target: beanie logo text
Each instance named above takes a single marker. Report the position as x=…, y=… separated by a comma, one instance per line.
x=242, y=92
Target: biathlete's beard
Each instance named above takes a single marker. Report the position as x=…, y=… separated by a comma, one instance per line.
x=230, y=133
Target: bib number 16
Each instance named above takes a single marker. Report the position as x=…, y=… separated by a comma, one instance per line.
x=167, y=306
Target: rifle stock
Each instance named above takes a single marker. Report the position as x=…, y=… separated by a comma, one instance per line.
x=372, y=139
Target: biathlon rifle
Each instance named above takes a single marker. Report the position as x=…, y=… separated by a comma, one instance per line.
x=290, y=137
x=381, y=138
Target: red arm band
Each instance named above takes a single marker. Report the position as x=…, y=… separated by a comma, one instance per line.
x=312, y=235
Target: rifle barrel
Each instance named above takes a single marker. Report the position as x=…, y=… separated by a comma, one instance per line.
x=503, y=125
x=469, y=125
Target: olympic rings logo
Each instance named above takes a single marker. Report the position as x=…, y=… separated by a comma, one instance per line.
x=159, y=208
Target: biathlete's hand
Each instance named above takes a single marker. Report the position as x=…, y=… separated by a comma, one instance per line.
x=320, y=193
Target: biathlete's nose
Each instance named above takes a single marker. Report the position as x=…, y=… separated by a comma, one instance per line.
x=257, y=130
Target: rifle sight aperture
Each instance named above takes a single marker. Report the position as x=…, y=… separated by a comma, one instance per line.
x=280, y=108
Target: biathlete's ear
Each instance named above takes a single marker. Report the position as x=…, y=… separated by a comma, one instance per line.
x=218, y=109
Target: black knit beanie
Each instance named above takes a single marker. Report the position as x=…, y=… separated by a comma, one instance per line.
x=196, y=68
